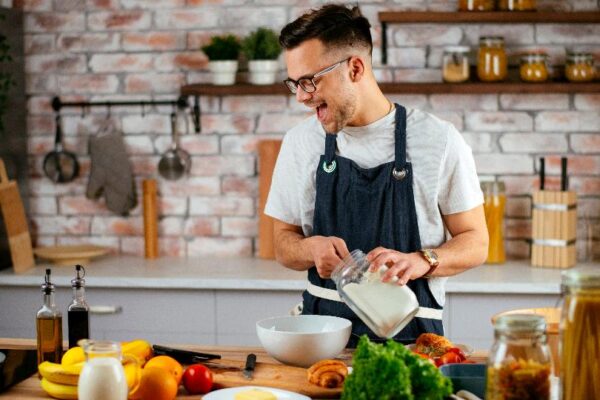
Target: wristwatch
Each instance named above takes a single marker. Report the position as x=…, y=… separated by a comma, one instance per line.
x=432, y=258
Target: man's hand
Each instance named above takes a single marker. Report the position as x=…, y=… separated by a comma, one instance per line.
x=403, y=266
x=327, y=253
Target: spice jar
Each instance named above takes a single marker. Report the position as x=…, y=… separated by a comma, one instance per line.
x=519, y=365
x=491, y=59
x=494, y=203
x=580, y=334
x=534, y=67
x=516, y=5
x=455, y=64
x=385, y=307
x=580, y=67
x=476, y=5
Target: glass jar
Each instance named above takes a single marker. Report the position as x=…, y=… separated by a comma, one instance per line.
x=517, y=5
x=102, y=376
x=455, y=64
x=520, y=364
x=494, y=203
x=476, y=5
x=580, y=67
x=534, y=67
x=491, y=59
x=580, y=334
x=385, y=307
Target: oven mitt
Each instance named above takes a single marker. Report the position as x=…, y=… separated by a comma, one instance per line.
x=111, y=173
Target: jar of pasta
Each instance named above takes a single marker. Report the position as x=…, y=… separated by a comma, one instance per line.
x=455, y=64
x=494, y=202
x=491, y=59
x=534, y=67
x=580, y=67
x=475, y=5
x=516, y=5
x=580, y=334
x=520, y=364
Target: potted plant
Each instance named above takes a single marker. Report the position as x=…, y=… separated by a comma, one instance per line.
x=223, y=52
x=262, y=49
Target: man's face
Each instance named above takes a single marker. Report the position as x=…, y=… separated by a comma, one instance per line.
x=334, y=100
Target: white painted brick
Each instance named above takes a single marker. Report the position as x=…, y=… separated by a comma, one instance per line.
x=191, y=186
x=585, y=143
x=39, y=185
x=223, y=165
x=480, y=142
x=46, y=63
x=97, y=83
x=567, y=121
x=455, y=118
x=45, y=205
x=52, y=22
x=42, y=241
x=518, y=34
x=254, y=104
x=80, y=205
x=133, y=20
x=568, y=34
x=122, y=62
x=62, y=225
x=243, y=144
x=250, y=17
x=417, y=75
x=381, y=74
x=239, y=227
x=517, y=249
x=170, y=226
x=463, y=102
x=39, y=44
x=86, y=42
x=167, y=247
x=204, y=17
x=138, y=144
x=426, y=34
x=40, y=84
x=239, y=206
x=31, y=6
x=278, y=123
x=517, y=228
x=111, y=242
x=117, y=226
x=153, y=83
x=158, y=5
x=587, y=101
x=409, y=100
x=503, y=164
x=518, y=207
x=587, y=207
x=546, y=101
x=585, y=186
x=534, y=143
x=499, y=121
x=233, y=185
x=201, y=226
x=226, y=123
x=172, y=206
x=194, y=145
x=136, y=124
x=406, y=57
x=219, y=247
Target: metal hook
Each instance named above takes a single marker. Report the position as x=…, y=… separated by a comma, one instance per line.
x=143, y=109
x=108, y=111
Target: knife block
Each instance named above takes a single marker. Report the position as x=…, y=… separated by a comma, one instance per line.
x=554, y=229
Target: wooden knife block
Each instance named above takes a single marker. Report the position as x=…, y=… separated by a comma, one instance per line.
x=554, y=229
x=13, y=213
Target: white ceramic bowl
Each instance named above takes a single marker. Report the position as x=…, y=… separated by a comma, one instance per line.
x=303, y=340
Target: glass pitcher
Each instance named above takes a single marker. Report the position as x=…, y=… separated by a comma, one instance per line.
x=494, y=203
x=103, y=376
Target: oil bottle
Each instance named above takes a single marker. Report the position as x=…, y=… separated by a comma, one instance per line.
x=49, y=325
x=78, y=312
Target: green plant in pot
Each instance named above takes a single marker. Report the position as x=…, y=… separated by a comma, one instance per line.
x=262, y=49
x=223, y=52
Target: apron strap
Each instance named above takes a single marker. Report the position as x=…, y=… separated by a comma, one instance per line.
x=400, y=170
x=333, y=295
x=330, y=146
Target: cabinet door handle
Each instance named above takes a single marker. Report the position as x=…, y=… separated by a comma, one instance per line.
x=105, y=310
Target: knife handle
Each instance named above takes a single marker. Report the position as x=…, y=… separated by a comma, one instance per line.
x=250, y=361
x=184, y=356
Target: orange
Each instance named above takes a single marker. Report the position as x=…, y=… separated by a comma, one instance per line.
x=168, y=364
x=156, y=384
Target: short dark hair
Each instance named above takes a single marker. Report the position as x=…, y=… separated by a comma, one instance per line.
x=334, y=25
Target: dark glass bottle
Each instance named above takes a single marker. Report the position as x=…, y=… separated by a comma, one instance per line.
x=78, y=310
x=49, y=325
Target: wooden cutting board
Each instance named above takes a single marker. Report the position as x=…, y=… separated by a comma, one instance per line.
x=279, y=376
x=17, y=229
x=268, y=150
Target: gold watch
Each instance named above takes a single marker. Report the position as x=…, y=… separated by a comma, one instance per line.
x=432, y=258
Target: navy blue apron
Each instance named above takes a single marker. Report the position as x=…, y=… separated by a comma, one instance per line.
x=369, y=208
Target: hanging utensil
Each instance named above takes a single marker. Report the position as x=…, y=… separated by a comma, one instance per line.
x=174, y=162
x=60, y=165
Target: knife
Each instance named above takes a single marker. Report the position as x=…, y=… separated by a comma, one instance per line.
x=250, y=364
x=184, y=356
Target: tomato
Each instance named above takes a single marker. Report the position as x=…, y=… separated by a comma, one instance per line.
x=197, y=379
x=449, y=358
x=458, y=351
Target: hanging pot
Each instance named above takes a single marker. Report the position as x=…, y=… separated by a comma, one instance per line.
x=60, y=165
x=175, y=162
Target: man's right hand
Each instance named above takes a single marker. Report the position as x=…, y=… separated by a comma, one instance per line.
x=327, y=252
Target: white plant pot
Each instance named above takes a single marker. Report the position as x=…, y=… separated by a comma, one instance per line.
x=223, y=72
x=263, y=72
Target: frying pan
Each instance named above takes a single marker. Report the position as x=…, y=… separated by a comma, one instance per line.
x=60, y=166
x=174, y=162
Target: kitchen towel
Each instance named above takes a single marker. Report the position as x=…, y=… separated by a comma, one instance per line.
x=111, y=172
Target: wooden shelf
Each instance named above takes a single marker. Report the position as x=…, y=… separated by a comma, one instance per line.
x=497, y=17
x=407, y=88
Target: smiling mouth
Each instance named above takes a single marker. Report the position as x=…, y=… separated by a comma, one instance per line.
x=322, y=112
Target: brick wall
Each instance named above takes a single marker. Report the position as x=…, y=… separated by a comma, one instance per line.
x=141, y=49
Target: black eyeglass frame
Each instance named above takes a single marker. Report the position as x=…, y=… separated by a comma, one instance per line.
x=292, y=85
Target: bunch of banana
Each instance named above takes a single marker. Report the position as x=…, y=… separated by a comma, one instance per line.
x=60, y=380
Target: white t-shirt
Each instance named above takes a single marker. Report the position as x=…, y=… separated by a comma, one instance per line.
x=444, y=176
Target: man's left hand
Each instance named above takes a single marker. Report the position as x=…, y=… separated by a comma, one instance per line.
x=404, y=266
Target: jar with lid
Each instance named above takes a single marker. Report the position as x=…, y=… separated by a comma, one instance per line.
x=455, y=64
x=580, y=67
x=520, y=363
x=580, y=334
x=517, y=5
x=494, y=203
x=534, y=67
x=475, y=5
x=385, y=307
x=491, y=59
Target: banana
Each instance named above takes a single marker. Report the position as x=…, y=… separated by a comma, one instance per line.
x=73, y=356
x=140, y=349
x=59, y=391
x=58, y=373
x=133, y=374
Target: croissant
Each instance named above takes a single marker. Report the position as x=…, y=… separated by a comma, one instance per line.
x=328, y=373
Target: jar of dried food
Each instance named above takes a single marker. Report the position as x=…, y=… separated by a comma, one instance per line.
x=520, y=364
x=455, y=64
x=491, y=59
x=580, y=334
x=517, y=5
x=534, y=67
x=476, y=5
x=580, y=67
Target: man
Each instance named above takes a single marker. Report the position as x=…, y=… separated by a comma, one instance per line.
x=366, y=174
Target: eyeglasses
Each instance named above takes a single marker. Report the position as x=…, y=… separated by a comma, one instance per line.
x=307, y=83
